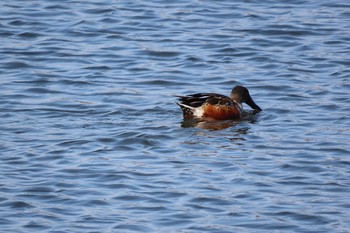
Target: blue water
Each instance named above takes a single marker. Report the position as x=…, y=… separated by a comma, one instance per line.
x=91, y=139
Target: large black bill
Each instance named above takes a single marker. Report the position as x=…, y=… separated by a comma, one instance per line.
x=252, y=104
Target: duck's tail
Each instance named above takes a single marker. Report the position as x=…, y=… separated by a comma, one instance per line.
x=187, y=111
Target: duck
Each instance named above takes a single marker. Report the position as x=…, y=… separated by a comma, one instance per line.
x=214, y=107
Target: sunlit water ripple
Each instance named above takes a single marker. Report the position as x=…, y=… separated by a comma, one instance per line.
x=92, y=140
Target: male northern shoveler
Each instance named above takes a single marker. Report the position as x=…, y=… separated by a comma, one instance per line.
x=212, y=106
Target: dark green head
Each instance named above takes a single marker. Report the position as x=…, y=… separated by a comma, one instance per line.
x=241, y=94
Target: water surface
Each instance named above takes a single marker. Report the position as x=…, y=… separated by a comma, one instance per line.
x=92, y=140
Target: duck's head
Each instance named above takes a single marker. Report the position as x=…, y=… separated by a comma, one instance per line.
x=241, y=94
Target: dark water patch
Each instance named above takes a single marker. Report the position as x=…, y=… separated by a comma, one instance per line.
x=99, y=11
x=77, y=82
x=17, y=22
x=134, y=198
x=304, y=217
x=274, y=32
x=29, y=35
x=341, y=62
x=16, y=65
x=337, y=5
x=42, y=189
x=97, y=68
x=17, y=205
x=57, y=7
x=160, y=53
x=38, y=90
x=4, y=222
x=73, y=142
x=159, y=82
x=212, y=201
x=37, y=225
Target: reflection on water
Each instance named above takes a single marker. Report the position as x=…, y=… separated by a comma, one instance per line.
x=211, y=125
x=248, y=116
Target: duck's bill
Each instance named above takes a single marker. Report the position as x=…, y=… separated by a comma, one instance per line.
x=252, y=104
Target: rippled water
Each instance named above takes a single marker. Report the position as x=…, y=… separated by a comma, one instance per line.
x=92, y=140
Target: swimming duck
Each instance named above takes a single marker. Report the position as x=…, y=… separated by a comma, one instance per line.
x=212, y=106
